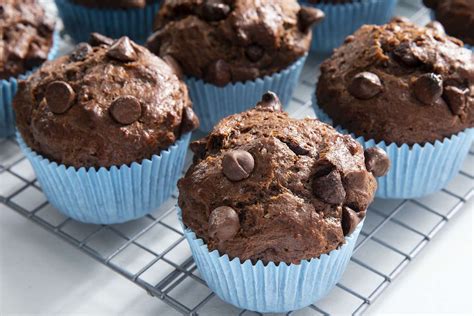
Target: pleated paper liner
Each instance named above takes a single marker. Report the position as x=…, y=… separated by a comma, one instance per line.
x=342, y=20
x=8, y=90
x=110, y=195
x=274, y=288
x=212, y=103
x=79, y=21
x=416, y=170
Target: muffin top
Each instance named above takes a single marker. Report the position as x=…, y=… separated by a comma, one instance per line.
x=223, y=41
x=457, y=17
x=115, y=4
x=26, y=36
x=264, y=186
x=107, y=103
x=399, y=83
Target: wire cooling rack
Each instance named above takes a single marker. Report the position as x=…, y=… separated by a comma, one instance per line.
x=152, y=253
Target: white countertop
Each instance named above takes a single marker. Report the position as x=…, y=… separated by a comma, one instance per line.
x=41, y=274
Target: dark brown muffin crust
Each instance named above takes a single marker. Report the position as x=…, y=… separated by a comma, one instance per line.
x=115, y=4
x=103, y=105
x=399, y=83
x=264, y=186
x=223, y=41
x=457, y=17
x=26, y=36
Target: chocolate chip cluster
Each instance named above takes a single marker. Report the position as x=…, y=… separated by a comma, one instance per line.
x=223, y=41
x=399, y=83
x=267, y=187
x=110, y=102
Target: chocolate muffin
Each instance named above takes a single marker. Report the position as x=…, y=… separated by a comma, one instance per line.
x=264, y=186
x=115, y=4
x=223, y=41
x=457, y=17
x=399, y=83
x=26, y=36
x=107, y=103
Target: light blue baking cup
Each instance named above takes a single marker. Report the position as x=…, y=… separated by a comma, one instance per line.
x=110, y=195
x=271, y=288
x=8, y=90
x=212, y=103
x=79, y=21
x=342, y=20
x=418, y=170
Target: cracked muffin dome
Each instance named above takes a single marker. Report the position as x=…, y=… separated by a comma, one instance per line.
x=457, y=17
x=399, y=83
x=107, y=103
x=264, y=186
x=26, y=36
x=115, y=4
x=223, y=41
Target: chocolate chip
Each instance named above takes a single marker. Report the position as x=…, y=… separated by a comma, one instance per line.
x=349, y=39
x=214, y=10
x=254, y=52
x=435, y=25
x=97, y=39
x=376, y=161
x=404, y=53
x=237, y=165
x=365, y=85
x=296, y=147
x=153, y=43
x=327, y=185
x=349, y=220
x=189, y=120
x=80, y=52
x=59, y=96
x=223, y=223
x=122, y=50
x=456, y=98
x=360, y=187
x=199, y=148
x=400, y=19
x=126, y=109
x=307, y=17
x=270, y=101
x=428, y=88
x=218, y=73
x=178, y=71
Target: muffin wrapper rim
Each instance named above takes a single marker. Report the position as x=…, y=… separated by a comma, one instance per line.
x=416, y=170
x=270, y=288
x=342, y=20
x=110, y=195
x=79, y=21
x=212, y=103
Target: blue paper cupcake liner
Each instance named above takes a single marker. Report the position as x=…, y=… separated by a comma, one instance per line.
x=79, y=21
x=342, y=20
x=110, y=195
x=270, y=288
x=8, y=90
x=418, y=170
x=212, y=103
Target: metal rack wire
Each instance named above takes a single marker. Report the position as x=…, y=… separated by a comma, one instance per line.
x=152, y=253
